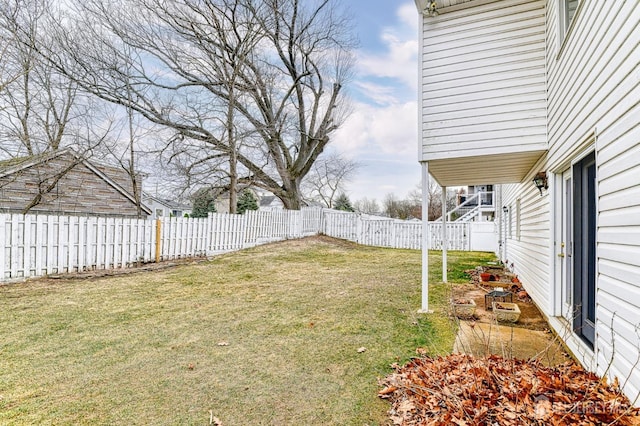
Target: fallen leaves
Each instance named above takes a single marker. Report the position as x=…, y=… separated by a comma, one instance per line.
x=463, y=390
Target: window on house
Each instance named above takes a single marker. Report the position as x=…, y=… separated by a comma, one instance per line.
x=518, y=219
x=158, y=212
x=510, y=223
x=566, y=10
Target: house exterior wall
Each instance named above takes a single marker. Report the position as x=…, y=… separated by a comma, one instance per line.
x=503, y=76
x=527, y=239
x=166, y=210
x=483, y=86
x=158, y=210
x=593, y=104
x=594, y=89
x=79, y=191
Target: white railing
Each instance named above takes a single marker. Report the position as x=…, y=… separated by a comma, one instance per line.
x=38, y=245
x=472, y=206
x=472, y=214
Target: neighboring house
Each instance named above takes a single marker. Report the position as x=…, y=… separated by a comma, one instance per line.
x=222, y=201
x=161, y=207
x=475, y=204
x=62, y=182
x=518, y=89
x=270, y=202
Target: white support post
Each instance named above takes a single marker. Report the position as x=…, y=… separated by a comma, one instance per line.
x=445, y=235
x=3, y=248
x=425, y=239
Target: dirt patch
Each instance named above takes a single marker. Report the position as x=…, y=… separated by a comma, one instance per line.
x=296, y=244
x=528, y=338
x=146, y=267
x=530, y=316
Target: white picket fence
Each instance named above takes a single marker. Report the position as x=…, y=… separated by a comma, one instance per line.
x=38, y=245
x=385, y=232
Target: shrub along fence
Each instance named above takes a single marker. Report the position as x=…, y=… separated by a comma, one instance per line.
x=38, y=245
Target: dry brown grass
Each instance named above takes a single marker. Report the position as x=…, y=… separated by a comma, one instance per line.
x=150, y=348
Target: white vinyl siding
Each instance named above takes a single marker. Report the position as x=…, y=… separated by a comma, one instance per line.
x=483, y=85
x=618, y=297
x=498, y=84
x=529, y=253
x=595, y=79
x=595, y=84
x=518, y=219
x=594, y=93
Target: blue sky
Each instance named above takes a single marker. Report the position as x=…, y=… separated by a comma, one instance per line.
x=381, y=132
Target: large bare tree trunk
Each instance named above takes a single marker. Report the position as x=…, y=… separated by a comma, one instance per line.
x=292, y=198
x=233, y=157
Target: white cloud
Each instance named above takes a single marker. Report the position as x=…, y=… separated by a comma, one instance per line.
x=382, y=131
x=401, y=44
x=391, y=129
x=409, y=17
x=377, y=93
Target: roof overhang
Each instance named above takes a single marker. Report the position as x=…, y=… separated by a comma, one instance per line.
x=510, y=167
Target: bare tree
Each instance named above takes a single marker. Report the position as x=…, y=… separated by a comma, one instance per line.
x=435, y=199
x=41, y=109
x=122, y=146
x=25, y=101
x=411, y=206
x=327, y=178
x=274, y=85
x=40, y=103
x=400, y=209
x=7, y=73
x=367, y=206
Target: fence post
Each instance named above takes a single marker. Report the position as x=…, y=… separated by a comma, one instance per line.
x=394, y=235
x=3, y=239
x=26, y=241
x=208, y=239
x=158, y=239
x=358, y=227
x=468, y=234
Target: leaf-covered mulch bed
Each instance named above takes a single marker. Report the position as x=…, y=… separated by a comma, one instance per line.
x=464, y=390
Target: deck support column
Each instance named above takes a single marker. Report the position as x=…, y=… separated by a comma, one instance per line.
x=424, y=309
x=445, y=234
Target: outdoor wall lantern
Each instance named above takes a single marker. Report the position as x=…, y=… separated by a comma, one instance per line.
x=432, y=8
x=540, y=180
x=505, y=209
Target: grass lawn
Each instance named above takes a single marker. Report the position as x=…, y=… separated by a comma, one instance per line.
x=267, y=336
